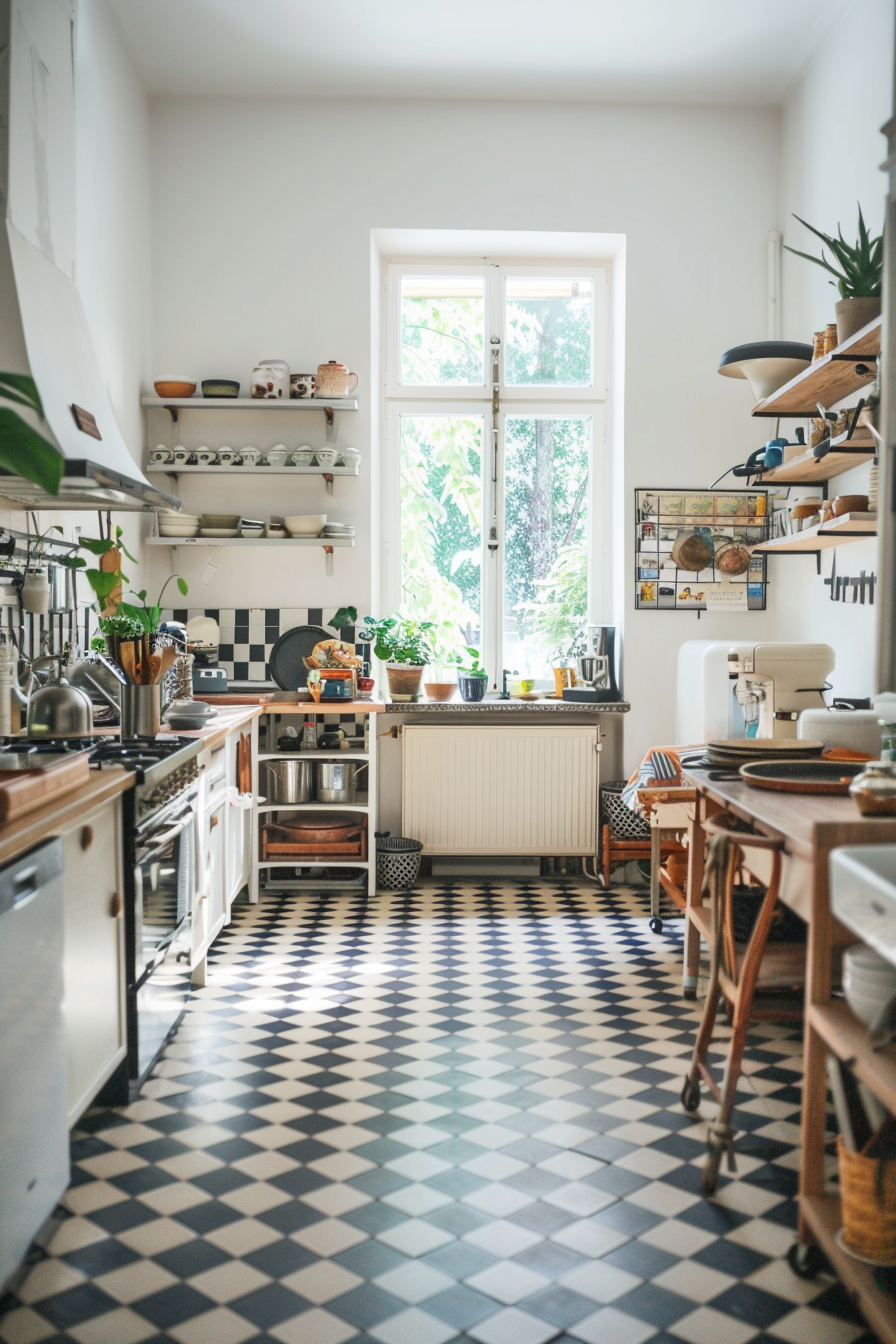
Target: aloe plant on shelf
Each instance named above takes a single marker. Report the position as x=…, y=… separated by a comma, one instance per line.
x=858, y=274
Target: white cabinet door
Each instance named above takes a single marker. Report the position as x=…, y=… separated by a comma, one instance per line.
x=95, y=1024
x=216, y=849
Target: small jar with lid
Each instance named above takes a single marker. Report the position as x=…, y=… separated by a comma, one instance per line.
x=874, y=790
x=817, y=345
x=830, y=338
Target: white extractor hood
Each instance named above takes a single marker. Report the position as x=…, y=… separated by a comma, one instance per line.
x=42, y=309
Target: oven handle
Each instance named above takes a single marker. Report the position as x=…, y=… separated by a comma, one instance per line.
x=157, y=842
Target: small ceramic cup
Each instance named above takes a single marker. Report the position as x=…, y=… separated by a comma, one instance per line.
x=180, y=456
x=326, y=457
x=226, y=457
x=250, y=457
x=160, y=454
x=205, y=456
x=304, y=456
x=302, y=384
x=277, y=455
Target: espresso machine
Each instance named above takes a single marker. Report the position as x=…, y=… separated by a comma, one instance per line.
x=596, y=670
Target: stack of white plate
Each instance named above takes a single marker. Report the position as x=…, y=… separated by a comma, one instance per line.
x=338, y=530
x=869, y=981
x=174, y=523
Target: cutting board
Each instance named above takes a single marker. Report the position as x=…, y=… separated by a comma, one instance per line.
x=225, y=698
x=23, y=791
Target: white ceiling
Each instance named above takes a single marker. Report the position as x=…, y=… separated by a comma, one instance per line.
x=682, y=51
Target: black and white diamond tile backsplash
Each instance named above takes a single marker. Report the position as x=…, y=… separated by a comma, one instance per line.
x=249, y=633
x=449, y=1115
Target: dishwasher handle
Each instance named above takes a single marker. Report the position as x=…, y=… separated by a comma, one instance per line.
x=21, y=880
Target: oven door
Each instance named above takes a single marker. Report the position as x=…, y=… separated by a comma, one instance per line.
x=164, y=883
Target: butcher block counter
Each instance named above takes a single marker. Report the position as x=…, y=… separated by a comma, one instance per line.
x=62, y=812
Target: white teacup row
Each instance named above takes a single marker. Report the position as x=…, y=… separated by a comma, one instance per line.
x=278, y=456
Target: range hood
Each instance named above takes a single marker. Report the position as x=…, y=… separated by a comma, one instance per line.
x=44, y=329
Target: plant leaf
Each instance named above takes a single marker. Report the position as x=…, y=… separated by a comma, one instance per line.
x=101, y=583
x=182, y=586
x=24, y=452
x=22, y=389
x=96, y=546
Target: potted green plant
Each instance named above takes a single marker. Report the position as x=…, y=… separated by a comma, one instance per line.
x=859, y=277
x=472, y=678
x=403, y=646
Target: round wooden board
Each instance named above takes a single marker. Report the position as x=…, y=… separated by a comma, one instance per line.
x=820, y=777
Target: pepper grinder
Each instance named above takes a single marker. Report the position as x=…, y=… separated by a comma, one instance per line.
x=185, y=675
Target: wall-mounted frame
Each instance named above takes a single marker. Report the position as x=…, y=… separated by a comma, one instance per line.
x=720, y=518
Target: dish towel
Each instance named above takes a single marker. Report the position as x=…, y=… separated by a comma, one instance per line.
x=661, y=765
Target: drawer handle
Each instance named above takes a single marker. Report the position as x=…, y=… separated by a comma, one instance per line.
x=117, y=904
x=212, y=822
x=86, y=837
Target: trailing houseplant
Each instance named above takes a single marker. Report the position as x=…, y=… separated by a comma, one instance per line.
x=404, y=647
x=35, y=581
x=472, y=678
x=858, y=275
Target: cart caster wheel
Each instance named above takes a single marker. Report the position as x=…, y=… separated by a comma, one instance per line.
x=806, y=1262
x=656, y=924
x=690, y=1095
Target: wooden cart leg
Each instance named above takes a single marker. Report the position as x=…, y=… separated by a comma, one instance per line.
x=656, y=858
x=818, y=990
x=691, y=967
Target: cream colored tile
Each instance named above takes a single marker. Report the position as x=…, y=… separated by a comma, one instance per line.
x=136, y=1280
x=174, y=1198
x=122, y=1326
x=23, y=1325
x=228, y=1281
x=221, y=1326
x=159, y=1235
x=321, y=1282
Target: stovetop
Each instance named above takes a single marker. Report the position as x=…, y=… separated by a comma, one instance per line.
x=151, y=759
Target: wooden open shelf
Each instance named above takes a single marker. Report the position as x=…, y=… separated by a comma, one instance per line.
x=822, y=1217
x=200, y=403
x=849, y=527
x=805, y=470
x=828, y=379
x=847, y=1038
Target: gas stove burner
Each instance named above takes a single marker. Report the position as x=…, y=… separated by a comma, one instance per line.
x=48, y=746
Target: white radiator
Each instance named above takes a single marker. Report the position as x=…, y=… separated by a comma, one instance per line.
x=497, y=790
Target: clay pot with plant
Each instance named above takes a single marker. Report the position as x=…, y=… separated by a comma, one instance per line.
x=859, y=277
x=404, y=647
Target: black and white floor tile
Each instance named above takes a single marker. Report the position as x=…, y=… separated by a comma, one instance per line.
x=440, y=1116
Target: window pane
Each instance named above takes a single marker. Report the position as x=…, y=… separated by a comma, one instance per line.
x=548, y=332
x=441, y=523
x=442, y=330
x=545, y=540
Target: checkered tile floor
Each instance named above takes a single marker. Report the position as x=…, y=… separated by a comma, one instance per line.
x=451, y=1115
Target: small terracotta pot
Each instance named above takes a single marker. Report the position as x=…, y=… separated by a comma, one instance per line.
x=853, y=314
x=439, y=690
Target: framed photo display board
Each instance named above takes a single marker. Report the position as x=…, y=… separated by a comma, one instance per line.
x=678, y=529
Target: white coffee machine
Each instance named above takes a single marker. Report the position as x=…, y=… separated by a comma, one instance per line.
x=748, y=690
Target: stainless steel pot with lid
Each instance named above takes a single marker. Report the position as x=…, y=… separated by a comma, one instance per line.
x=337, y=781
x=287, y=781
x=59, y=710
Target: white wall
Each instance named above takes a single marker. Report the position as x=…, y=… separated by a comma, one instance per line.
x=112, y=224
x=830, y=160
x=262, y=212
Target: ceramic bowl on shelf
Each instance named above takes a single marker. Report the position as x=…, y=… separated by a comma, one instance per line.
x=849, y=504
x=348, y=457
x=206, y=457
x=226, y=457
x=276, y=532
x=326, y=457
x=305, y=524
x=869, y=981
x=174, y=385
x=223, y=533
x=250, y=456
x=277, y=455
x=220, y=520
x=304, y=456
x=220, y=387
x=178, y=530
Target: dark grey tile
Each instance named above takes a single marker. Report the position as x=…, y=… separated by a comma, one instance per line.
x=366, y=1305
x=461, y=1306
x=559, y=1305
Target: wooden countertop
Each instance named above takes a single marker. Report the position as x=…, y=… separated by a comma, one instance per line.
x=806, y=822
x=62, y=812
x=226, y=721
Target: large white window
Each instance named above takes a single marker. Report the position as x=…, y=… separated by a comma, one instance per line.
x=496, y=379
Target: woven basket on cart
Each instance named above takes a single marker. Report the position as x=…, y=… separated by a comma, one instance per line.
x=868, y=1198
x=397, y=861
x=624, y=824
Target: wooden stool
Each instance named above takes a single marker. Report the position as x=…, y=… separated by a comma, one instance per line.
x=737, y=971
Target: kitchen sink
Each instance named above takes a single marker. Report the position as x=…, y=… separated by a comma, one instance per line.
x=863, y=894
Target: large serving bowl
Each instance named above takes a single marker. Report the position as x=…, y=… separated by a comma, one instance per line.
x=305, y=524
x=174, y=385
x=869, y=982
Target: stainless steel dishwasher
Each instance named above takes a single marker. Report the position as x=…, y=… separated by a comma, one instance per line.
x=34, y=1153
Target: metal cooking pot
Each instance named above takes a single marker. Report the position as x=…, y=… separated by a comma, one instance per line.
x=287, y=781
x=59, y=710
x=337, y=781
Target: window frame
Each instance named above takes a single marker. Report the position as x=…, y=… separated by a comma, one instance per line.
x=475, y=400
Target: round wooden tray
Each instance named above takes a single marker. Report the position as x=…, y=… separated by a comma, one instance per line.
x=812, y=776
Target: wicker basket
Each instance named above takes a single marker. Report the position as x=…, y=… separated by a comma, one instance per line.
x=868, y=1201
x=397, y=861
x=624, y=824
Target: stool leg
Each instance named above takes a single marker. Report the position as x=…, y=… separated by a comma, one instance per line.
x=690, y=1093
x=656, y=858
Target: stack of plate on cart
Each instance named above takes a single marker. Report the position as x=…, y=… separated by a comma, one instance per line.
x=738, y=751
